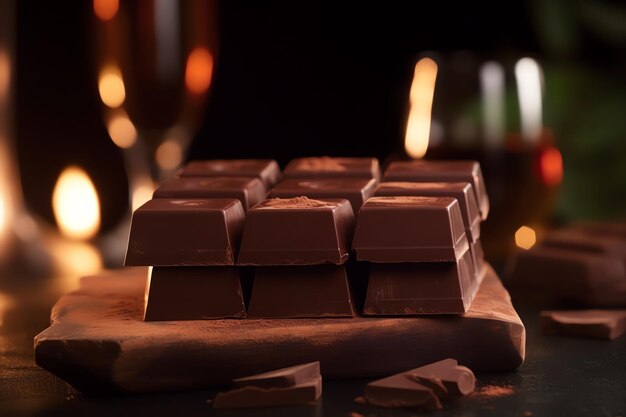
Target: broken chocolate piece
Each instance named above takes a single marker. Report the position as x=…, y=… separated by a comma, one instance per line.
x=248, y=190
x=410, y=229
x=458, y=380
x=267, y=170
x=596, y=324
x=185, y=232
x=333, y=167
x=194, y=293
x=400, y=391
x=297, y=231
x=307, y=392
x=280, y=378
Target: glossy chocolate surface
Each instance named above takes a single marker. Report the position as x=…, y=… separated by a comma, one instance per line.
x=333, y=167
x=355, y=190
x=410, y=229
x=442, y=171
x=185, y=232
x=300, y=291
x=297, y=231
x=462, y=191
x=401, y=289
x=248, y=190
x=267, y=170
x=194, y=293
x=594, y=324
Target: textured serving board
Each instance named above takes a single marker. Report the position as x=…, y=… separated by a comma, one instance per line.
x=98, y=342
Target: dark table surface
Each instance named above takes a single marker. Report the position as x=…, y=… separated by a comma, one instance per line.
x=561, y=376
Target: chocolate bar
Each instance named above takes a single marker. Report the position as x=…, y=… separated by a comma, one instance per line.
x=410, y=229
x=193, y=293
x=355, y=190
x=307, y=392
x=478, y=259
x=442, y=171
x=457, y=380
x=300, y=291
x=297, y=231
x=267, y=170
x=462, y=191
x=595, y=324
x=185, y=232
x=248, y=190
x=333, y=167
x=421, y=288
x=281, y=378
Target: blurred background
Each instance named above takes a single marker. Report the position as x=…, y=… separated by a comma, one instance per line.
x=101, y=99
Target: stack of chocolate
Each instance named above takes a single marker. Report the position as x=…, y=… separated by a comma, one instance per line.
x=421, y=234
x=190, y=234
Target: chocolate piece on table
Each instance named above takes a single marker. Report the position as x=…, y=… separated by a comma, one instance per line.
x=333, y=167
x=194, y=293
x=458, y=380
x=410, y=229
x=400, y=289
x=306, y=392
x=442, y=171
x=400, y=391
x=597, y=324
x=567, y=273
x=591, y=242
x=280, y=378
x=185, y=232
x=355, y=190
x=462, y=191
x=249, y=190
x=297, y=231
x=300, y=291
x=267, y=170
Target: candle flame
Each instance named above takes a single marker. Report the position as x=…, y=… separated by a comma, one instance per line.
x=528, y=77
x=111, y=86
x=76, y=205
x=199, y=70
x=106, y=9
x=169, y=154
x=551, y=166
x=421, y=101
x=525, y=237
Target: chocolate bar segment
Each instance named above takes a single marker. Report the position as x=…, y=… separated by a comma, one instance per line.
x=185, y=232
x=194, y=293
x=442, y=171
x=297, y=231
x=410, y=229
x=457, y=380
x=248, y=190
x=401, y=289
x=333, y=167
x=462, y=191
x=280, y=378
x=355, y=190
x=595, y=324
x=267, y=170
x=300, y=291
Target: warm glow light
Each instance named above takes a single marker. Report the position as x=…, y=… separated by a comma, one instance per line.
x=169, y=154
x=528, y=76
x=3, y=219
x=492, y=88
x=525, y=237
x=199, y=70
x=106, y=9
x=111, y=87
x=142, y=192
x=122, y=131
x=5, y=74
x=551, y=166
x=76, y=205
x=421, y=101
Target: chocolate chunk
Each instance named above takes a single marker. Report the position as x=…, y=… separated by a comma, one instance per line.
x=297, y=231
x=442, y=171
x=281, y=378
x=400, y=391
x=300, y=291
x=331, y=167
x=596, y=324
x=307, y=392
x=462, y=191
x=193, y=293
x=248, y=190
x=421, y=288
x=267, y=170
x=185, y=232
x=457, y=380
x=355, y=190
x=410, y=229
